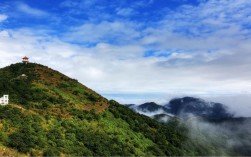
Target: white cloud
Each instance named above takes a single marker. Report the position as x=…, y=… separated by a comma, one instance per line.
x=117, y=32
x=31, y=11
x=3, y=17
x=237, y=103
x=125, y=11
x=83, y=4
x=211, y=54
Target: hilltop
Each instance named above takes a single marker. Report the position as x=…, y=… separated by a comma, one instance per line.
x=51, y=114
x=42, y=87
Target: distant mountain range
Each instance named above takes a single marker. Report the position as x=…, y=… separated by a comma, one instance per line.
x=183, y=108
x=207, y=122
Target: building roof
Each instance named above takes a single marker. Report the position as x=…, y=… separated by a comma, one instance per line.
x=25, y=57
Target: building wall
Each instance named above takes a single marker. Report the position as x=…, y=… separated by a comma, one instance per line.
x=4, y=100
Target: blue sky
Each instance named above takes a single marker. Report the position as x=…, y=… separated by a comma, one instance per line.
x=135, y=51
x=70, y=13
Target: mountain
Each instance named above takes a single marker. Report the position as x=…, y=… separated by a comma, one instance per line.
x=207, y=123
x=150, y=109
x=183, y=107
x=50, y=114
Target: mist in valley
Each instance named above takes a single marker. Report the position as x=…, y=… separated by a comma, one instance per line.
x=230, y=135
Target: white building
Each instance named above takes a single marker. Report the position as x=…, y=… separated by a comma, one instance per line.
x=4, y=100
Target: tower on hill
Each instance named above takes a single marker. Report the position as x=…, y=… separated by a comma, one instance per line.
x=25, y=60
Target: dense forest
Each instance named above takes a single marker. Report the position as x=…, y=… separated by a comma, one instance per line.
x=51, y=114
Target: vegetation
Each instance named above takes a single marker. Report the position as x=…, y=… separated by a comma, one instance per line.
x=51, y=114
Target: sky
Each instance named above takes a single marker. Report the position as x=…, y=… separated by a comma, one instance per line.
x=135, y=50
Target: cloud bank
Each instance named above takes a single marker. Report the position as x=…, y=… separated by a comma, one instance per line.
x=190, y=49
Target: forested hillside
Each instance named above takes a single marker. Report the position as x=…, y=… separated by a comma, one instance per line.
x=51, y=114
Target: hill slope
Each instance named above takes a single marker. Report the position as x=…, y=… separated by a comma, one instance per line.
x=52, y=114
